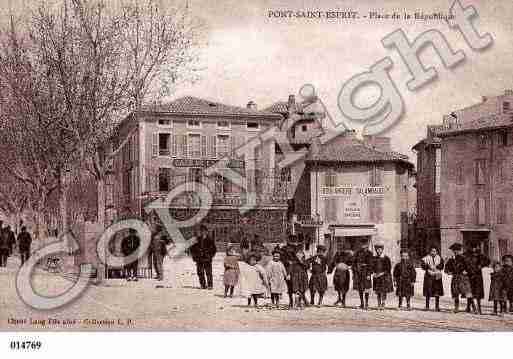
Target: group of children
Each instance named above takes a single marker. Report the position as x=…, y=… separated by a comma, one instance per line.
x=288, y=272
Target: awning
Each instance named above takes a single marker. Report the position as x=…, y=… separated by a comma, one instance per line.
x=353, y=231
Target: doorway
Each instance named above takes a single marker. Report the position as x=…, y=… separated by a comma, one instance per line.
x=481, y=238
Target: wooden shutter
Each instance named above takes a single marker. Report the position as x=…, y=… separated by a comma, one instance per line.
x=203, y=146
x=176, y=140
x=155, y=145
x=184, y=145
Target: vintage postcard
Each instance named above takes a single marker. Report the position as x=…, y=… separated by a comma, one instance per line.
x=259, y=166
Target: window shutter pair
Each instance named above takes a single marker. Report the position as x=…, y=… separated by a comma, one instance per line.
x=155, y=145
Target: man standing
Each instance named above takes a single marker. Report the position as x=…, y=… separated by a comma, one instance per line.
x=288, y=257
x=158, y=251
x=129, y=246
x=4, y=246
x=457, y=266
x=203, y=251
x=318, y=280
x=476, y=262
x=11, y=240
x=24, y=243
x=362, y=272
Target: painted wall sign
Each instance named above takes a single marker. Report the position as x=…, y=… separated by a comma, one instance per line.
x=191, y=162
x=350, y=191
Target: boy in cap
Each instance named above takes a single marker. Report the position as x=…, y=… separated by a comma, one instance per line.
x=460, y=283
x=362, y=272
x=404, y=278
x=476, y=262
x=507, y=273
x=341, y=263
x=318, y=280
x=382, y=281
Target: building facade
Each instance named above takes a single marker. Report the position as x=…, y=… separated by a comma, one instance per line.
x=162, y=147
x=355, y=192
x=476, y=176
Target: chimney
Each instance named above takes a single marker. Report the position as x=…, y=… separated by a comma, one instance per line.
x=251, y=106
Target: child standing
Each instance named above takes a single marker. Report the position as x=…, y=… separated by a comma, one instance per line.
x=341, y=263
x=404, y=278
x=382, y=281
x=460, y=283
x=277, y=276
x=231, y=271
x=507, y=272
x=497, y=289
x=256, y=279
x=318, y=280
x=299, y=279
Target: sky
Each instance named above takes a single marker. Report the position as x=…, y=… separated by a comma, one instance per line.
x=250, y=56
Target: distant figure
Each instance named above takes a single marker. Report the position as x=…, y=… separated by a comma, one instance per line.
x=433, y=265
x=318, y=280
x=203, y=252
x=476, y=262
x=24, y=244
x=11, y=240
x=256, y=280
x=158, y=251
x=4, y=246
x=457, y=266
x=507, y=272
x=404, y=277
x=277, y=275
x=497, y=289
x=231, y=271
x=341, y=263
x=129, y=246
x=382, y=281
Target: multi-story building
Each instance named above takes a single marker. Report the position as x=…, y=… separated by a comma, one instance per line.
x=353, y=192
x=428, y=191
x=161, y=147
x=475, y=176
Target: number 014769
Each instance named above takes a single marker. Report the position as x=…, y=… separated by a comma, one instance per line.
x=25, y=345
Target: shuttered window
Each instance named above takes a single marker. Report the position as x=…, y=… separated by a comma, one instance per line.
x=460, y=211
x=479, y=171
x=501, y=210
x=330, y=209
x=459, y=174
x=155, y=145
x=330, y=178
x=376, y=175
x=480, y=211
x=375, y=208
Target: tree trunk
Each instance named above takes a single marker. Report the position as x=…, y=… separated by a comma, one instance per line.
x=63, y=205
x=101, y=201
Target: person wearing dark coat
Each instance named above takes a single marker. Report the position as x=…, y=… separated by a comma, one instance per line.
x=382, y=281
x=362, y=274
x=24, y=243
x=158, y=251
x=129, y=246
x=203, y=252
x=299, y=279
x=433, y=264
x=4, y=246
x=460, y=283
x=497, y=293
x=341, y=263
x=404, y=278
x=287, y=257
x=507, y=273
x=318, y=265
x=11, y=240
x=476, y=262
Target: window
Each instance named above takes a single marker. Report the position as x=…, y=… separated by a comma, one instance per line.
x=194, y=124
x=480, y=211
x=376, y=175
x=330, y=179
x=479, y=171
x=460, y=179
x=503, y=138
x=330, y=209
x=304, y=128
x=506, y=106
x=482, y=141
x=164, y=179
x=460, y=211
x=252, y=126
x=223, y=184
x=376, y=210
x=503, y=247
x=501, y=210
x=194, y=142
x=223, y=145
x=127, y=183
x=501, y=174
x=164, y=144
x=195, y=175
x=223, y=125
x=438, y=164
x=164, y=122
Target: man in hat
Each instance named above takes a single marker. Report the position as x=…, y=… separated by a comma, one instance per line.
x=4, y=245
x=318, y=280
x=158, y=250
x=203, y=252
x=382, y=269
x=288, y=257
x=404, y=278
x=362, y=272
x=476, y=262
x=129, y=246
x=507, y=272
x=24, y=243
x=457, y=266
